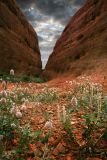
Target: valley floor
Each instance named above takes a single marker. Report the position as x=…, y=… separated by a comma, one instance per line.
x=45, y=107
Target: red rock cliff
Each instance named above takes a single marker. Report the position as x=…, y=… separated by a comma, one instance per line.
x=18, y=41
x=82, y=47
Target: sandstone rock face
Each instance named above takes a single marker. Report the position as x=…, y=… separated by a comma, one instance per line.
x=82, y=47
x=18, y=41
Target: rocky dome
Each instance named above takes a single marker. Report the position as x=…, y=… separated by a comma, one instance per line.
x=18, y=41
x=82, y=47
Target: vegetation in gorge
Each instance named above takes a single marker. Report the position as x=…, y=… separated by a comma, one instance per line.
x=74, y=122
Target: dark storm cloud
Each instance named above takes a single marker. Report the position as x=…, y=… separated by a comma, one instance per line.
x=25, y=3
x=58, y=9
x=49, y=17
x=79, y=2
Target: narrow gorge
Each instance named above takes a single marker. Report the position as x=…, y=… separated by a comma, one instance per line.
x=59, y=112
x=81, y=49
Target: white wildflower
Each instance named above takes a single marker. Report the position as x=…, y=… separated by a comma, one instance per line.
x=3, y=100
x=64, y=114
x=99, y=103
x=4, y=93
x=74, y=101
x=23, y=107
x=30, y=85
x=26, y=89
x=12, y=72
x=18, y=114
x=37, y=104
x=4, y=85
x=15, y=96
x=70, y=82
x=14, y=110
x=13, y=125
x=26, y=101
x=1, y=79
x=58, y=112
x=48, y=125
x=1, y=137
x=20, y=127
x=23, y=99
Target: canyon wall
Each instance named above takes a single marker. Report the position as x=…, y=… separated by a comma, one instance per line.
x=18, y=41
x=82, y=47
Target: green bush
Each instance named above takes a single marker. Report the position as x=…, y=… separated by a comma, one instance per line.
x=22, y=78
x=39, y=80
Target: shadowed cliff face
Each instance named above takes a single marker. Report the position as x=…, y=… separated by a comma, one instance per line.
x=82, y=47
x=18, y=41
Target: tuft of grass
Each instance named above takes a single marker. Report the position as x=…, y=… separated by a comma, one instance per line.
x=48, y=95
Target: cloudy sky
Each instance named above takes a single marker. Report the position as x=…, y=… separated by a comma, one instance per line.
x=49, y=18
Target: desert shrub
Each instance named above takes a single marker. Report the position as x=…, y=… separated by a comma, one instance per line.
x=25, y=78
x=48, y=95
x=39, y=80
x=22, y=78
x=88, y=102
